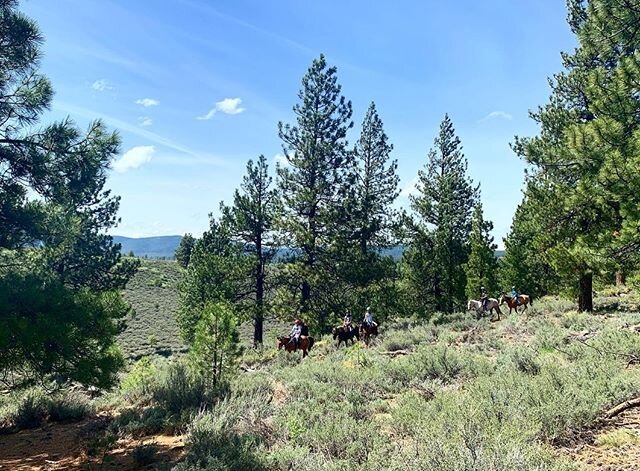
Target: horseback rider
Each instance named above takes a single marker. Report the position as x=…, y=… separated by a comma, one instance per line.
x=296, y=332
x=484, y=298
x=368, y=318
x=515, y=295
x=348, y=318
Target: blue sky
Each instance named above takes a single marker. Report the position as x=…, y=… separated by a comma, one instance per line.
x=196, y=87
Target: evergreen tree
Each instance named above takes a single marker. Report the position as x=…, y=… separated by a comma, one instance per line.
x=585, y=158
x=312, y=185
x=482, y=267
x=446, y=196
x=375, y=185
x=216, y=343
x=251, y=220
x=216, y=273
x=59, y=271
x=523, y=264
x=184, y=250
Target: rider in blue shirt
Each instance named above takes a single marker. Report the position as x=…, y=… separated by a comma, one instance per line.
x=515, y=295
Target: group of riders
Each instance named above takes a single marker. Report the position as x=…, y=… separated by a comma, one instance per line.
x=484, y=297
x=300, y=329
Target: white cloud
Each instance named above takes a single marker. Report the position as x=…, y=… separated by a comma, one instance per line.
x=496, y=115
x=147, y=102
x=134, y=158
x=196, y=157
x=101, y=85
x=227, y=106
x=410, y=188
x=280, y=159
x=145, y=121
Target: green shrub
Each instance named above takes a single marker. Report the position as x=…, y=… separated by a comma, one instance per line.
x=144, y=455
x=140, y=422
x=31, y=410
x=139, y=382
x=69, y=407
x=178, y=390
x=213, y=444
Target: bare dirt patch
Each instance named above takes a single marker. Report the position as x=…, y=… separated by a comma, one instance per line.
x=77, y=446
x=613, y=445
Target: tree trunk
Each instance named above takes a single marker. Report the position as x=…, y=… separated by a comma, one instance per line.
x=259, y=314
x=621, y=278
x=585, y=298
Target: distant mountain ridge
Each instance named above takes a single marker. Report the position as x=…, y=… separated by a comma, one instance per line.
x=150, y=247
x=165, y=247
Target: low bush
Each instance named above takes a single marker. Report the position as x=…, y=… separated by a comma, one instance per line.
x=69, y=407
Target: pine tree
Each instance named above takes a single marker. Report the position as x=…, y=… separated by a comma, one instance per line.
x=482, y=267
x=524, y=265
x=216, y=343
x=216, y=273
x=375, y=185
x=251, y=221
x=446, y=196
x=312, y=184
x=59, y=272
x=585, y=158
x=184, y=250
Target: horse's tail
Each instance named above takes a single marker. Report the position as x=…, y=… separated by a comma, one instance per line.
x=310, y=343
x=530, y=300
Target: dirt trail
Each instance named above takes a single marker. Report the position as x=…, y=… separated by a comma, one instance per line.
x=612, y=446
x=67, y=446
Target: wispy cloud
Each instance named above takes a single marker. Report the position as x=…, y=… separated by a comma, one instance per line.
x=410, y=188
x=147, y=102
x=145, y=121
x=137, y=131
x=496, y=115
x=101, y=85
x=134, y=158
x=227, y=106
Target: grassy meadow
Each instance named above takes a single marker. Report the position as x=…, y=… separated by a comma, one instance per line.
x=453, y=393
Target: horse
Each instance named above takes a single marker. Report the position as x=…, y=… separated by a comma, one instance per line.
x=524, y=301
x=367, y=331
x=290, y=346
x=492, y=304
x=342, y=335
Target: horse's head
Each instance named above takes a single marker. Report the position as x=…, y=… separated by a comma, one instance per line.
x=335, y=332
x=282, y=341
x=501, y=299
x=469, y=305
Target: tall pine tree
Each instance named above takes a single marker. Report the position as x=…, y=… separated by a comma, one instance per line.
x=482, y=267
x=60, y=273
x=312, y=185
x=585, y=158
x=446, y=196
x=375, y=185
x=251, y=221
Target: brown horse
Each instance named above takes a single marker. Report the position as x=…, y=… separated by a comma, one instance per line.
x=523, y=298
x=289, y=345
x=368, y=331
x=342, y=335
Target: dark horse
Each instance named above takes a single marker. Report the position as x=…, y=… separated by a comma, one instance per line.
x=289, y=345
x=367, y=331
x=342, y=335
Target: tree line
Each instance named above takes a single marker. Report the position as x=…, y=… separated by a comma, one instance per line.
x=331, y=204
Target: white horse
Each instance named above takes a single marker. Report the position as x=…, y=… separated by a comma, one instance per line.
x=492, y=304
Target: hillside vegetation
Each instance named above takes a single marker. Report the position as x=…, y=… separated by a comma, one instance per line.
x=465, y=394
x=151, y=327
